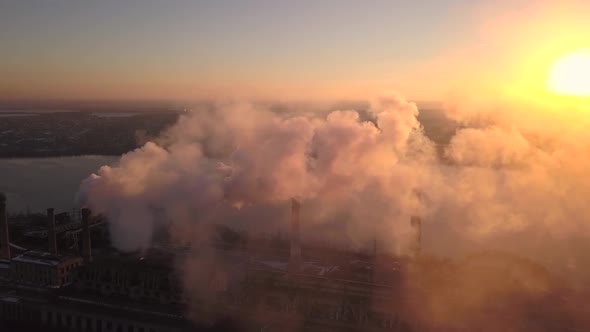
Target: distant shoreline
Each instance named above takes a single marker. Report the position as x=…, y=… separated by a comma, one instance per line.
x=38, y=156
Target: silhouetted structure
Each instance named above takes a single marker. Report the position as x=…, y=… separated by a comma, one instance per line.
x=86, y=242
x=295, y=251
x=4, y=237
x=51, y=235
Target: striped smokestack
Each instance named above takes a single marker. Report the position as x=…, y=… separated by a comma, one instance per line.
x=51, y=236
x=295, y=259
x=4, y=238
x=86, y=245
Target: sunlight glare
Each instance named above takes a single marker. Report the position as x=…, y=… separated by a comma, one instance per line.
x=570, y=75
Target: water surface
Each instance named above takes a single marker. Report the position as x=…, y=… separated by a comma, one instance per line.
x=35, y=184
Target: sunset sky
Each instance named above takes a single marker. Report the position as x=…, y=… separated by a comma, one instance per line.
x=286, y=50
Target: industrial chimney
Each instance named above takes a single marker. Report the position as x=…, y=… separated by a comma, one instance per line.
x=51, y=235
x=416, y=223
x=4, y=238
x=295, y=259
x=86, y=245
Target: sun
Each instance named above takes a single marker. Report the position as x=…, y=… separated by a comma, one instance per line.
x=570, y=75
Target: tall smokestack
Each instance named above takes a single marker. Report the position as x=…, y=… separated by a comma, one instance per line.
x=4, y=238
x=295, y=259
x=86, y=245
x=416, y=223
x=51, y=236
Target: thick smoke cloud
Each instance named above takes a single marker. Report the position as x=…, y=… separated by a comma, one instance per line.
x=360, y=175
x=511, y=178
x=520, y=184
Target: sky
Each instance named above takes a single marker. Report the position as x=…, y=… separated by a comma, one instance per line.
x=285, y=50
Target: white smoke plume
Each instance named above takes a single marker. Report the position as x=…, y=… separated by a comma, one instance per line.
x=361, y=175
x=510, y=178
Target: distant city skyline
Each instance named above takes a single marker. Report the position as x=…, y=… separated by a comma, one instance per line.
x=280, y=50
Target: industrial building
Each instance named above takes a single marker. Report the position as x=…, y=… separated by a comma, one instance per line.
x=112, y=291
x=44, y=269
x=97, y=289
x=50, y=290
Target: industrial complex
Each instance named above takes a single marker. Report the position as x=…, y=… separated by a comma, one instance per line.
x=103, y=290
x=86, y=287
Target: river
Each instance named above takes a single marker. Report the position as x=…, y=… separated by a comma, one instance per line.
x=38, y=183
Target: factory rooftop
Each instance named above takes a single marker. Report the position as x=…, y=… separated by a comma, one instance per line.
x=40, y=258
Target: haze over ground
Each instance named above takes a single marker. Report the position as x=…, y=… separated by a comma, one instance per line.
x=488, y=64
x=512, y=178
